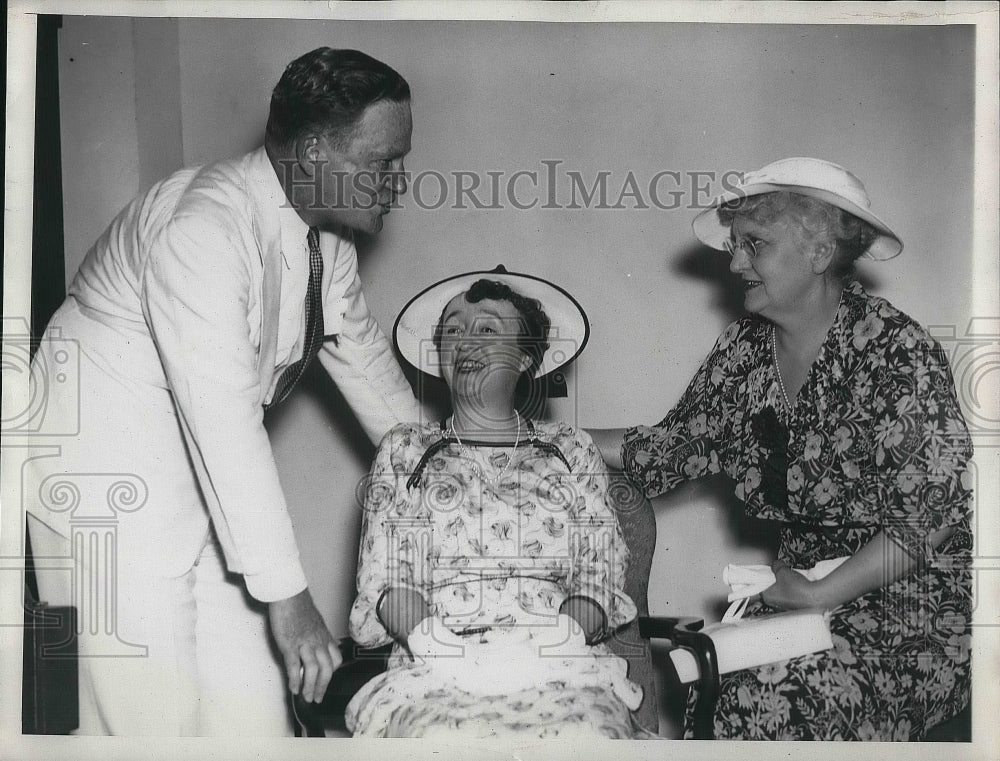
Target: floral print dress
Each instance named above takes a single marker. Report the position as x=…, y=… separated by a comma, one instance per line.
x=493, y=537
x=875, y=441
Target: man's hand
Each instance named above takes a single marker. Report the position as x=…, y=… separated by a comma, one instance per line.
x=306, y=645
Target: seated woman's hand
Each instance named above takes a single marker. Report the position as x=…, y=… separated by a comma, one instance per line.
x=401, y=610
x=588, y=615
x=431, y=640
x=564, y=637
x=504, y=661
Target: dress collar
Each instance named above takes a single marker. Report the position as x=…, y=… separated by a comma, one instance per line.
x=838, y=354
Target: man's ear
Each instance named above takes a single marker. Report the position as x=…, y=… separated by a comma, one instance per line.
x=308, y=153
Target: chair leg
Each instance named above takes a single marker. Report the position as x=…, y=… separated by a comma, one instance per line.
x=709, y=683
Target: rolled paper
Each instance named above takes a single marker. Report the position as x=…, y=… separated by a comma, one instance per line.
x=759, y=640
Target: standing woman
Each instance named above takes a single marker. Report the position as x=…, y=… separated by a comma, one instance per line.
x=835, y=414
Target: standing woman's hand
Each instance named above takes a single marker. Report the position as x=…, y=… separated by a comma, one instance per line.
x=791, y=590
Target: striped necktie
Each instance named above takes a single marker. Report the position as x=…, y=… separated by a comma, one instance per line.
x=314, y=323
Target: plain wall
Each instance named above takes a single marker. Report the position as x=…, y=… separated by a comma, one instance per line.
x=893, y=104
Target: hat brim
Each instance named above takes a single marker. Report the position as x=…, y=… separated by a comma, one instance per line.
x=710, y=230
x=413, y=332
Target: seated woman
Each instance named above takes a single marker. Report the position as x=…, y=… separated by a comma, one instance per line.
x=489, y=552
x=835, y=414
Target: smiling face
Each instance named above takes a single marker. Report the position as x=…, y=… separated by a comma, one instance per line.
x=480, y=357
x=777, y=281
x=359, y=181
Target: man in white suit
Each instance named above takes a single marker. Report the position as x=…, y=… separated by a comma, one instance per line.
x=196, y=310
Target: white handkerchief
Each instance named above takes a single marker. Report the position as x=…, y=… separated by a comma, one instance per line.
x=745, y=581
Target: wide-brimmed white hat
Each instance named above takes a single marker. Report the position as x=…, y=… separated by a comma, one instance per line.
x=569, y=330
x=810, y=177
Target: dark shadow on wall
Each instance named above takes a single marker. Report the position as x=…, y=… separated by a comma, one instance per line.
x=739, y=531
x=337, y=414
x=699, y=262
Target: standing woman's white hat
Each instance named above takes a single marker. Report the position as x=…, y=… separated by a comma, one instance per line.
x=809, y=177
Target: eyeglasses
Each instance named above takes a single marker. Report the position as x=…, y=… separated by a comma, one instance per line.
x=746, y=244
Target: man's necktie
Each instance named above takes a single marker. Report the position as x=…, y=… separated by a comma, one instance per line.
x=314, y=323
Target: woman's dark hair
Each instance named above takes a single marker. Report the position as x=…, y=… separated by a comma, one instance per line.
x=326, y=91
x=533, y=339
x=816, y=218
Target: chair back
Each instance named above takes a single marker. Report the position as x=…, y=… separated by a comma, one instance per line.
x=638, y=526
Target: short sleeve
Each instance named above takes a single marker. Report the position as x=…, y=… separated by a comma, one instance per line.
x=922, y=446
x=598, y=553
x=386, y=557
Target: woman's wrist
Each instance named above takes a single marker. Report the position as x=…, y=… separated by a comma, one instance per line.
x=829, y=592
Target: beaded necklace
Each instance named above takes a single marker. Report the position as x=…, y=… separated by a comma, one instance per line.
x=777, y=369
x=510, y=458
x=774, y=355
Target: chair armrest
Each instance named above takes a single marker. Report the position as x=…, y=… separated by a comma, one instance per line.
x=663, y=627
x=360, y=666
x=685, y=632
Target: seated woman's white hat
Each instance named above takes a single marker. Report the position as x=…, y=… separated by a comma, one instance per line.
x=569, y=330
x=809, y=177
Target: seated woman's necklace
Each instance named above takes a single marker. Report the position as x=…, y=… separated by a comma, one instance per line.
x=510, y=457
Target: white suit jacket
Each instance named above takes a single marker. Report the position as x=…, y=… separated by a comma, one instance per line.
x=182, y=293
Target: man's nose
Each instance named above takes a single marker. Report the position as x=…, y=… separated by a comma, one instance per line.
x=398, y=180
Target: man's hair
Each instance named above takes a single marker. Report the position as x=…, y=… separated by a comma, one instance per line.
x=326, y=91
x=533, y=338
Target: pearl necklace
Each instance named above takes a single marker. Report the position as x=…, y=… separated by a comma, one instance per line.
x=774, y=353
x=510, y=457
x=777, y=369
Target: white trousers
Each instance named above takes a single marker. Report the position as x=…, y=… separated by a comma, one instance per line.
x=189, y=655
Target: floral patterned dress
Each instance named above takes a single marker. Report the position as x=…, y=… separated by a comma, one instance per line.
x=875, y=441
x=493, y=537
